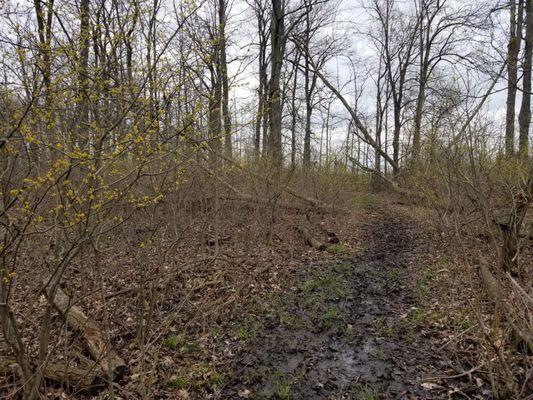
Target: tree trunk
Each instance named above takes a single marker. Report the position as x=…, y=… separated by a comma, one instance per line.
x=294, y=114
x=524, y=117
x=215, y=127
x=396, y=139
x=311, y=241
x=83, y=74
x=309, y=87
x=13, y=338
x=513, y=48
x=258, y=120
x=422, y=79
x=224, y=78
x=93, y=337
x=277, y=43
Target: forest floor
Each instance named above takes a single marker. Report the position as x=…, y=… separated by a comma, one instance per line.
x=355, y=328
x=384, y=314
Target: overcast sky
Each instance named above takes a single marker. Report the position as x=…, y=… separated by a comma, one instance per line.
x=351, y=22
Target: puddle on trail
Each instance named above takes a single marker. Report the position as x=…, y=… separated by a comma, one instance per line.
x=336, y=369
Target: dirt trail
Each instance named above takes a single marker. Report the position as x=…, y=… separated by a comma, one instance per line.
x=349, y=330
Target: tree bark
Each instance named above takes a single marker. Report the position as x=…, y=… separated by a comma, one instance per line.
x=513, y=48
x=524, y=117
x=222, y=17
x=311, y=241
x=94, y=338
x=258, y=120
x=309, y=88
x=83, y=74
x=277, y=43
x=294, y=113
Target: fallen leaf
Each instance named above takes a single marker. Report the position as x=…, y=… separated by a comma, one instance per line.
x=429, y=385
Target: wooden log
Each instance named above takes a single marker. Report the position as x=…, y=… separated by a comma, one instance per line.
x=94, y=339
x=511, y=227
x=496, y=293
x=311, y=241
x=73, y=376
x=332, y=237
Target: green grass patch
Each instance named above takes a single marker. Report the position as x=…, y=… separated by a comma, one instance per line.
x=417, y=315
x=390, y=331
x=367, y=392
x=366, y=201
x=213, y=379
x=310, y=285
x=337, y=249
x=291, y=320
x=466, y=324
x=248, y=331
x=179, y=342
x=423, y=284
x=178, y=382
x=345, y=269
x=174, y=341
x=282, y=386
x=331, y=316
x=328, y=287
x=392, y=276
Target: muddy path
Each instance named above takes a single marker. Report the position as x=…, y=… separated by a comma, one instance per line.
x=344, y=330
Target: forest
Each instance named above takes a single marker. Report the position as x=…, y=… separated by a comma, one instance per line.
x=266, y=199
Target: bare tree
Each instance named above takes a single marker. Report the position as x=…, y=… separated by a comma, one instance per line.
x=278, y=41
x=524, y=116
x=513, y=49
x=223, y=71
x=260, y=9
x=398, y=53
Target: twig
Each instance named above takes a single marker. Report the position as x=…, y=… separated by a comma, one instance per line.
x=456, y=376
x=456, y=337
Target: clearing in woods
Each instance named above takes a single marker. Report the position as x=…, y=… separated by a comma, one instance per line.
x=346, y=330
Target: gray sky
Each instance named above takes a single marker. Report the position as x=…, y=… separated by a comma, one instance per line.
x=351, y=23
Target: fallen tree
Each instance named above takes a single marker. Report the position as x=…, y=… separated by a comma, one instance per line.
x=315, y=203
x=94, y=339
x=311, y=241
x=72, y=376
x=493, y=289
